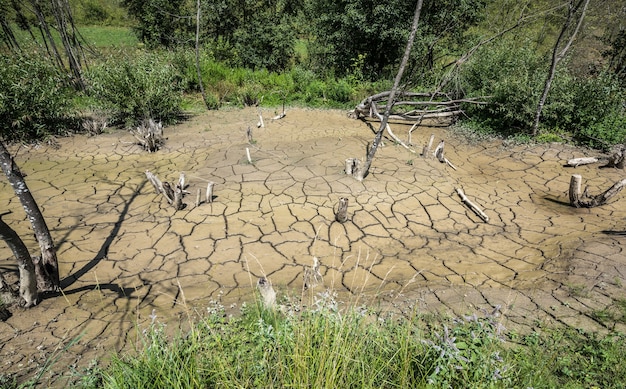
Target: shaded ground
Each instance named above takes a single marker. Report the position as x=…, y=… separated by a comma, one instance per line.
x=410, y=242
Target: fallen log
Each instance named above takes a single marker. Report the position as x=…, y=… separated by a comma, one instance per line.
x=472, y=206
x=584, y=200
x=575, y=162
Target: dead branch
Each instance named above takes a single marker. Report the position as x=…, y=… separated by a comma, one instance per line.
x=149, y=134
x=472, y=206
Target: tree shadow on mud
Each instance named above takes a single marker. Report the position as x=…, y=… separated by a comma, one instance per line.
x=611, y=232
x=100, y=255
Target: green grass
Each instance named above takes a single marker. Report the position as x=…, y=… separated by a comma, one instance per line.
x=109, y=36
x=326, y=346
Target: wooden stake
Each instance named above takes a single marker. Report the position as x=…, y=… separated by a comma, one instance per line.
x=574, y=190
x=248, y=155
x=342, y=210
x=426, y=152
x=178, y=199
x=209, y=191
x=350, y=166
x=472, y=206
x=198, y=194
x=439, y=152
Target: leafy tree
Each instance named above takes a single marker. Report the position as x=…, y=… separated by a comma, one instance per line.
x=160, y=22
x=371, y=34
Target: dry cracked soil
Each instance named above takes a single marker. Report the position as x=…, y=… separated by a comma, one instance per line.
x=410, y=244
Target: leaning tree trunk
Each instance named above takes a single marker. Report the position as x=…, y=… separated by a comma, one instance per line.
x=364, y=170
x=28, y=280
x=48, y=265
x=557, y=55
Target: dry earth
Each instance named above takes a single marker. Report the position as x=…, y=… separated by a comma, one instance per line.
x=409, y=244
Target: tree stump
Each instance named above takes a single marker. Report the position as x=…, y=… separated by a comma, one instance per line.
x=585, y=200
x=342, y=210
x=429, y=145
x=439, y=152
x=618, y=159
x=267, y=292
x=209, y=191
x=149, y=134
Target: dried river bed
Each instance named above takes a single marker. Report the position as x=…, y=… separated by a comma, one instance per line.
x=409, y=243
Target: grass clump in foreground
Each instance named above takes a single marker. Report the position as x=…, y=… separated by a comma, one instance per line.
x=327, y=347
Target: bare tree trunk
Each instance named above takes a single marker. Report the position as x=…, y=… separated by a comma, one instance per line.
x=49, y=263
x=200, y=84
x=364, y=170
x=46, y=34
x=28, y=280
x=67, y=31
x=557, y=55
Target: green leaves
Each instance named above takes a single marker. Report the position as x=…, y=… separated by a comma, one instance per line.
x=35, y=101
x=145, y=86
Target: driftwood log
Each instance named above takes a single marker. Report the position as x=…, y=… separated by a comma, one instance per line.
x=584, y=200
x=472, y=206
x=575, y=162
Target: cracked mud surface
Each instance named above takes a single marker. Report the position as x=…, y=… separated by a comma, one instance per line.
x=409, y=243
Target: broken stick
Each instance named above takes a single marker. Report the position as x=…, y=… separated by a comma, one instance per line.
x=472, y=206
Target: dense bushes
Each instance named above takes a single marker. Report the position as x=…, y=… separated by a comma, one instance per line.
x=512, y=77
x=35, y=101
x=132, y=89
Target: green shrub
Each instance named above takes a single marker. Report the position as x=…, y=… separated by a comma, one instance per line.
x=600, y=114
x=35, y=101
x=509, y=77
x=137, y=88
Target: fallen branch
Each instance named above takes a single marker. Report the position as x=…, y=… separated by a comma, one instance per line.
x=575, y=162
x=472, y=206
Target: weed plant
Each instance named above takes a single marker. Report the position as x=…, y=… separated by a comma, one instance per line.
x=331, y=346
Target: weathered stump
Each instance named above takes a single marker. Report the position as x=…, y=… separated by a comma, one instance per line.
x=268, y=294
x=209, y=191
x=585, y=200
x=342, y=210
x=429, y=145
